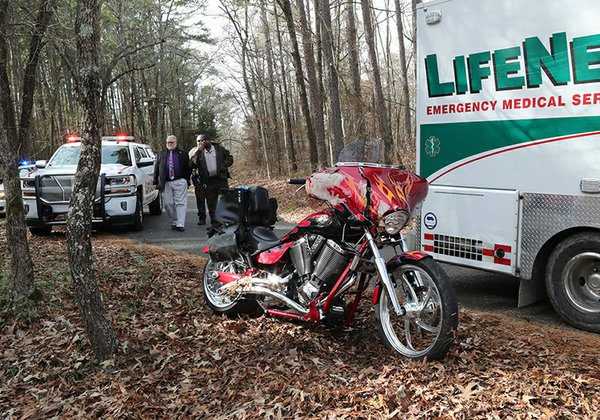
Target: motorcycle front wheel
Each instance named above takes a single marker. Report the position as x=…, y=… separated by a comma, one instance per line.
x=428, y=326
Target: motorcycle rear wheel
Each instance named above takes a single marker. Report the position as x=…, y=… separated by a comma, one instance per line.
x=429, y=329
x=221, y=303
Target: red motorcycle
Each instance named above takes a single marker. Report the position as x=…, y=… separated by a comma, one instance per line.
x=321, y=268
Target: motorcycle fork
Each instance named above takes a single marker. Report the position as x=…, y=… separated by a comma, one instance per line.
x=383, y=274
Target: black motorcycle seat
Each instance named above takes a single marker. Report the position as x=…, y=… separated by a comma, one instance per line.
x=261, y=238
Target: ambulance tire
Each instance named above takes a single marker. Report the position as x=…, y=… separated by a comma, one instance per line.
x=573, y=280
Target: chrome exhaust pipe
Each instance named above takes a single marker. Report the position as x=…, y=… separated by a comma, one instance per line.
x=265, y=291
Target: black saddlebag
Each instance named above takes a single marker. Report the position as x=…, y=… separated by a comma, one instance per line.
x=232, y=206
x=223, y=247
x=251, y=206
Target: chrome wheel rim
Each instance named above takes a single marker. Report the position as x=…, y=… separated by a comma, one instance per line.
x=581, y=281
x=212, y=286
x=415, y=333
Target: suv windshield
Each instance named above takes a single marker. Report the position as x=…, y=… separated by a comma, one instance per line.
x=69, y=155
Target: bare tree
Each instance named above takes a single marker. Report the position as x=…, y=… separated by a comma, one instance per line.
x=357, y=118
x=285, y=100
x=312, y=141
x=79, y=221
x=13, y=140
x=242, y=34
x=333, y=94
x=275, y=130
x=383, y=125
x=407, y=137
x=314, y=91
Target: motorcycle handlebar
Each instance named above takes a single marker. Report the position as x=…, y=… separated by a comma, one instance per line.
x=296, y=181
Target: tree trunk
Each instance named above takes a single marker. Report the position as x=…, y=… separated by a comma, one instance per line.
x=414, y=34
x=285, y=99
x=314, y=92
x=407, y=139
x=45, y=13
x=357, y=120
x=333, y=94
x=383, y=126
x=13, y=142
x=273, y=118
x=79, y=221
x=23, y=285
x=312, y=142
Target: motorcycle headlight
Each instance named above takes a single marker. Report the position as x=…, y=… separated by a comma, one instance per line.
x=394, y=222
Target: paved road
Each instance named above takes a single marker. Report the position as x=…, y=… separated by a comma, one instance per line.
x=475, y=288
x=157, y=231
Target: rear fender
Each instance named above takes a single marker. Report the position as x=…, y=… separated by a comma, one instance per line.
x=396, y=261
x=225, y=277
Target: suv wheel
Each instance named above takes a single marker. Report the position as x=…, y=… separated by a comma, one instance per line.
x=40, y=231
x=138, y=218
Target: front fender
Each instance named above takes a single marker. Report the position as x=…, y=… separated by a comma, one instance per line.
x=395, y=261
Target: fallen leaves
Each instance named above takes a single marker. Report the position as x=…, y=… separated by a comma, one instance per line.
x=177, y=359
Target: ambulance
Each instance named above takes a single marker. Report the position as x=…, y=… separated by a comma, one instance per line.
x=508, y=136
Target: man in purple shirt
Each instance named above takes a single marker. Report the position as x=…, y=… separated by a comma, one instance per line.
x=172, y=178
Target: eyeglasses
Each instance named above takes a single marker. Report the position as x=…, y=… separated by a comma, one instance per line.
x=170, y=142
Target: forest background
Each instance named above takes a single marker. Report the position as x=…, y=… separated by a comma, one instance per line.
x=283, y=83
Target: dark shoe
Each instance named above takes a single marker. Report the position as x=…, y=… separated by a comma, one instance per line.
x=201, y=222
x=179, y=228
x=173, y=227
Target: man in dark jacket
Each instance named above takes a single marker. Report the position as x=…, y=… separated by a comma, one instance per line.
x=211, y=161
x=172, y=178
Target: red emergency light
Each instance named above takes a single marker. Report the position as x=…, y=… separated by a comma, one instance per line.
x=72, y=138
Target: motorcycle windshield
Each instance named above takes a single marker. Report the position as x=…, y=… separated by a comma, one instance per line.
x=368, y=189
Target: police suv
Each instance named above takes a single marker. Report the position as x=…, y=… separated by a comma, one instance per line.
x=124, y=188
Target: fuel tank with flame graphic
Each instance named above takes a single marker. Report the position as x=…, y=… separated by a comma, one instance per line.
x=390, y=189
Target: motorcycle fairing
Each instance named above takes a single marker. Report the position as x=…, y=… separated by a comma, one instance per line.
x=387, y=189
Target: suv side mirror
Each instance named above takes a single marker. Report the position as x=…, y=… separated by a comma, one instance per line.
x=41, y=164
x=144, y=162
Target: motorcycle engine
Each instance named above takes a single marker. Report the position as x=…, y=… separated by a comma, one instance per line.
x=319, y=263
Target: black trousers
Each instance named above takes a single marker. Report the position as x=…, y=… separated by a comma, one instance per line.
x=213, y=185
x=200, y=193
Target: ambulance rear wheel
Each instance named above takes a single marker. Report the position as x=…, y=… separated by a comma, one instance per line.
x=573, y=280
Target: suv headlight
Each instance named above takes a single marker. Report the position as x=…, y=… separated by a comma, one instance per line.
x=28, y=188
x=394, y=222
x=120, y=184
